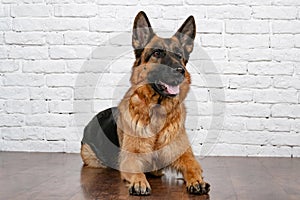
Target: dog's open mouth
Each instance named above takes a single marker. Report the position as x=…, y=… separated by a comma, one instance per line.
x=166, y=89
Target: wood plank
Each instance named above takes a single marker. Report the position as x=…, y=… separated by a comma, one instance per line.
x=61, y=176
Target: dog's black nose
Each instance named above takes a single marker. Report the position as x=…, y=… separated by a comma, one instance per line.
x=180, y=70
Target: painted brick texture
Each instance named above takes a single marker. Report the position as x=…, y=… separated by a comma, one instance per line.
x=62, y=61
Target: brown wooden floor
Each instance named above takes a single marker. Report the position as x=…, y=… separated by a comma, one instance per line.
x=61, y=176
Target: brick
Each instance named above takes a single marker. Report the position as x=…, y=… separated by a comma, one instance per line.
x=238, y=54
x=60, y=80
x=17, y=107
x=292, y=54
x=105, y=92
x=287, y=82
x=25, y=38
x=61, y=93
x=84, y=93
x=180, y=12
x=82, y=106
x=270, y=68
x=47, y=120
x=120, y=66
x=99, y=105
x=9, y=66
x=67, y=24
x=158, y=2
x=285, y=139
x=255, y=124
x=72, y=147
x=5, y=24
x=229, y=12
x=61, y=134
x=12, y=133
x=83, y=66
x=286, y=2
x=104, y=25
x=286, y=26
x=28, y=52
x=61, y=107
x=247, y=26
x=206, y=2
x=283, y=41
x=251, y=3
x=286, y=110
x=113, y=80
x=29, y=24
x=278, y=125
x=295, y=125
x=246, y=137
x=24, y=79
x=85, y=38
x=223, y=95
x=297, y=40
x=4, y=10
x=275, y=96
x=250, y=82
x=14, y=93
x=58, y=1
x=44, y=66
x=55, y=38
x=88, y=79
x=211, y=40
x=274, y=12
x=121, y=12
x=25, y=107
x=3, y=52
x=200, y=94
x=69, y=52
x=233, y=124
x=106, y=11
x=116, y=2
x=34, y=133
x=248, y=110
x=73, y=10
x=30, y=10
x=38, y=106
x=209, y=26
x=110, y=52
x=2, y=108
x=13, y=120
x=195, y=108
x=208, y=53
x=223, y=67
x=247, y=41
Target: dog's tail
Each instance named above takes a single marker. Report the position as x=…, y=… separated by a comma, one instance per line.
x=100, y=143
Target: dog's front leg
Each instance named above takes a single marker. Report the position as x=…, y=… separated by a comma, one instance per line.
x=131, y=167
x=192, y=173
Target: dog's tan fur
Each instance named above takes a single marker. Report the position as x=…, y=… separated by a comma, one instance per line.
x=148, y=123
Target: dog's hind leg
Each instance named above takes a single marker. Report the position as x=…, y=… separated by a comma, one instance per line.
x=89, y=158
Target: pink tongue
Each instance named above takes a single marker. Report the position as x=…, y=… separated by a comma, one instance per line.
x=172, y=89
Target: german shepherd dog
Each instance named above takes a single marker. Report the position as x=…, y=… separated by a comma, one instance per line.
x=147, y=129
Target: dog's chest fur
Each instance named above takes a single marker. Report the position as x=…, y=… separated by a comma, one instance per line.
x=152, y=121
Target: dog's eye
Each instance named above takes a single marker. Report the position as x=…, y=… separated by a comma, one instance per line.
x=178, y=55
x=157, y=53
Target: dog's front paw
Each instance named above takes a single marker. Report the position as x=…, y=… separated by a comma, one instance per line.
x=198, y=187
x=140, y=188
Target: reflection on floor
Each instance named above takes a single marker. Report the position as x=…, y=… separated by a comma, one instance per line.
x=61, y=176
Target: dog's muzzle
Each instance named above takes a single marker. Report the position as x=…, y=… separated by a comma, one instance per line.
x=166, y=80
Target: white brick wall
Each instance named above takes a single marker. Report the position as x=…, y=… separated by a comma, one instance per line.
x=62, y=61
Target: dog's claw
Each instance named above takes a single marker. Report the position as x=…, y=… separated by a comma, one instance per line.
x=198, y=188
x=138, y=190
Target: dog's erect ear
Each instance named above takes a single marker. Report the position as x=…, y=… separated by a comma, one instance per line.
x=187, y=33
x=142, y=31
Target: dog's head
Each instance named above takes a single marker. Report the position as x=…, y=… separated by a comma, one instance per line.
x=161, y=62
